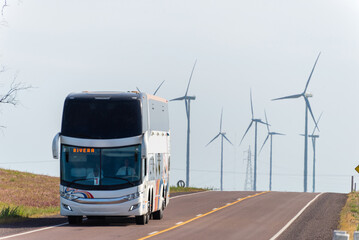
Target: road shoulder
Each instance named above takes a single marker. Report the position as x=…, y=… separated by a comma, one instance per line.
x=319, y=220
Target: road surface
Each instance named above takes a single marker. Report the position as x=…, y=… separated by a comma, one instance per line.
x=206, y=215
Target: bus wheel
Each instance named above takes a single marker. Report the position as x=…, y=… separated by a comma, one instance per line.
x=143, y=219
x=74, y=220
x=158, y=215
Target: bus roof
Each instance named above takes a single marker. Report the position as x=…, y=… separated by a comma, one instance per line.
x=113, y=95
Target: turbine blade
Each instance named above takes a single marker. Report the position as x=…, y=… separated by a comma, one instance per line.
x=317, y=123
x=246, y=132
x=288, y=97
x=251, y=104
x=220, y=126
x=264, y=143
x=260, y=121
x=311, y=113
x=138, y=89
x=190, y=78
x=213, y=139
x=265, y=114
x=227, y=139
x=158, y=87
x=276, y=133
x=178, y=99
x=310, y=76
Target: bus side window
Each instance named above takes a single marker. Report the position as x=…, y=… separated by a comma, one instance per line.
x=152, y=168
x=144, y=166
x=169, y=163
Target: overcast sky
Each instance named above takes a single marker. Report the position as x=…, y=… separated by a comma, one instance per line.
x=269, y=46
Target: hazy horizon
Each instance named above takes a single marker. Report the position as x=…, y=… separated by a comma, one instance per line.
x=269, y=47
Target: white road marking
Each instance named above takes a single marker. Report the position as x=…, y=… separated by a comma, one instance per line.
x=179, y=223
x=227, y=203
x=294, y=218
x=214, y=208
x=153, y=232
x=59, y=225
x=198, y=215
x=37, y=230
x=239, y=199
x=189, y=194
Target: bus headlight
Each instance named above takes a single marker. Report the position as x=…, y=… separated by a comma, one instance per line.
x=133, y=207
x=67, y=207
x=68, y=196
x=133, y=196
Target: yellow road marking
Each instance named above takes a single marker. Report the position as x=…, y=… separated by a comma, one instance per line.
x=205, y=214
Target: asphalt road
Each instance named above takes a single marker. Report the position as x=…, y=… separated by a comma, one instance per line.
x=206, y=215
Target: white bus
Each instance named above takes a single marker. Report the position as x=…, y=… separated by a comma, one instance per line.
x=114, y=150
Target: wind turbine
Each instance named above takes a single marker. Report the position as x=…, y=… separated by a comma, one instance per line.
x=305, y=96
x=187, y=100
x=255, y=121
x=314, y=138
x=270, y=134
x=223, y=135
x=156, y=89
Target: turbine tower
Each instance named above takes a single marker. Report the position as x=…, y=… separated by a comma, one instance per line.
x=270, y=134
x=255, y=121
x=305, y=96
x=223, y=135
x=187, y=100
x=314, y=138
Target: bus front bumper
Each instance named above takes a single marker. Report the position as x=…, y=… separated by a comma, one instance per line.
x=103, y=207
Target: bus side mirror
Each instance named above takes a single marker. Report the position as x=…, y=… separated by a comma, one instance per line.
x=55, y=146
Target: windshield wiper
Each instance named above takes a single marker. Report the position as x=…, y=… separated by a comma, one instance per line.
x=80, y=179
x=120, y=179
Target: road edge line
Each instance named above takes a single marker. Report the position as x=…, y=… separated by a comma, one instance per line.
x=294, y=218
x=203, y=215
x=32, y=231
x=189, y=194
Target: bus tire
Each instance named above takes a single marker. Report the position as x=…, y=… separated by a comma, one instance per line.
x=143, y=219
x=158, y=215
x=74, y=220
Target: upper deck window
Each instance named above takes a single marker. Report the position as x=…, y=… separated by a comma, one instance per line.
x=101, y=118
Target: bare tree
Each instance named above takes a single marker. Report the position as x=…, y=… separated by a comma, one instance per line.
x=4, y=5
x=10, y=96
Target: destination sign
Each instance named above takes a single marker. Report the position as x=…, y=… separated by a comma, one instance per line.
x=83, y=150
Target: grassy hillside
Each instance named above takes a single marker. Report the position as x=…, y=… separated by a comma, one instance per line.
x=25, y=195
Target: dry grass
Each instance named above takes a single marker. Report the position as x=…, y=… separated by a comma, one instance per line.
x=349, y=216
x=174, y=189
x=33, y=195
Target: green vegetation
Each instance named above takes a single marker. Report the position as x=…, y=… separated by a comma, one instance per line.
x=349, y=216
x=174, y=189
x=26, y=195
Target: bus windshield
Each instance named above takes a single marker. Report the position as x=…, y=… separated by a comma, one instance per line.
x=101, y=119
x=100, y=168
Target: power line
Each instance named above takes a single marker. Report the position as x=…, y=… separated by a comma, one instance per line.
x=263, y=173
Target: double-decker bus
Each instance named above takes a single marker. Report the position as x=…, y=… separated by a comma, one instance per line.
x=114, y=150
